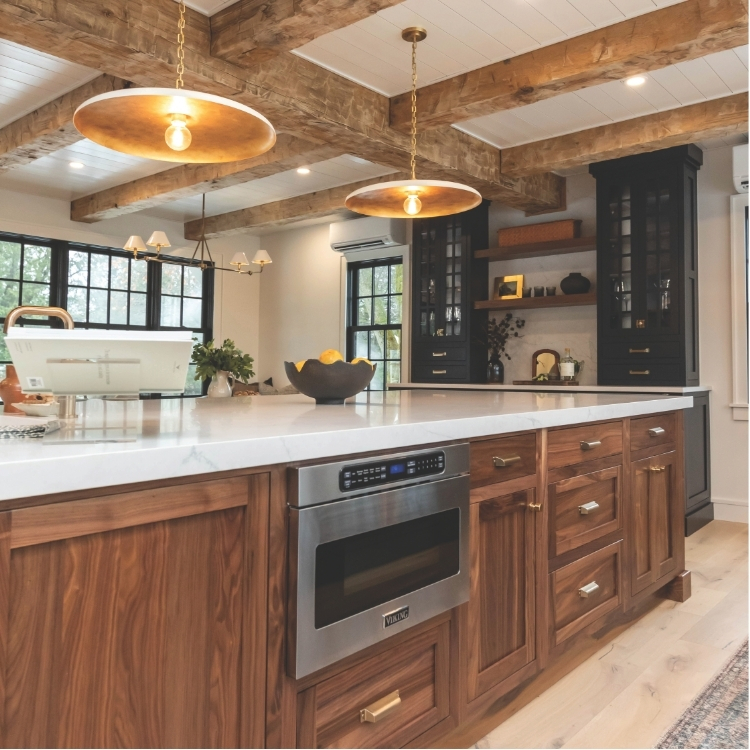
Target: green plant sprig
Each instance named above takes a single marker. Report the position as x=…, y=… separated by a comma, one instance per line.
x=209, y=360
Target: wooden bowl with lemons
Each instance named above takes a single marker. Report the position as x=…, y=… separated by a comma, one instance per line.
x=329, y=379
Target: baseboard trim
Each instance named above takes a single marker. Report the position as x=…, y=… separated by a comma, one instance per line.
x=730, y=510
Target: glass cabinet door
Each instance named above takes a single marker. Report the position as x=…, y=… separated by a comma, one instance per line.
x=427, y=271
x=620, y=258
x=454, y=257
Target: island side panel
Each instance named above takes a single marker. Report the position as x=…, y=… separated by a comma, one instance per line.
x=139, y=634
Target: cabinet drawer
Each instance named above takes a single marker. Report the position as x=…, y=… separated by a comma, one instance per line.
x=652, y=432
x=404, y=689
x=500, y=459
x=439, y=372
x=574, y=445
x=664, y=372
x=584, y=591
x=584, y=508
x=429, y=354
x=640, y=351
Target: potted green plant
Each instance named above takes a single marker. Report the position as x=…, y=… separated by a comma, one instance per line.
x=220, y=364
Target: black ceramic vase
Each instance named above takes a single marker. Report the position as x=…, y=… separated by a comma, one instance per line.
x=495, y=371
x=575, y=283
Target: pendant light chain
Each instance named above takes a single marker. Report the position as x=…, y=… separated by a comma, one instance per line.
x=180, y=46
x=414, y=109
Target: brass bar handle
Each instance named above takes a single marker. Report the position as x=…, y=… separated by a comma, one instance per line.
x=587, y=508
x=647, y=350
x=52, y=312
x=656, y=468
x=440, y=354
x=588, y=590
x=640, y=372
x=439, y=372
x=656, y=431
x=380, y=709
x=501, y=463
x=535, y=507
x=589, y=445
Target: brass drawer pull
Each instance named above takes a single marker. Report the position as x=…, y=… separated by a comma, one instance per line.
x=439, y=372
x=656, y=468
x=640, y=351
x=640, y=372
x=535, y=507
x=589, y=445
x=380, y=709
x=656, y=431
x=501, y=463
x=440, y=354
x=588, y=590
x=587, y=508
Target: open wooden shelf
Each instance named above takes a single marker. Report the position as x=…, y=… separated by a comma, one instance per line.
x=535, y=303
x=539, y=249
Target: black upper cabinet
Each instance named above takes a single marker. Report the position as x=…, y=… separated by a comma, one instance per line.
x=647, y=264
x=446, y=281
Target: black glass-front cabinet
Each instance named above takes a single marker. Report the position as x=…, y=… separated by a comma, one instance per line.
x=446, y=281
x=647, y=268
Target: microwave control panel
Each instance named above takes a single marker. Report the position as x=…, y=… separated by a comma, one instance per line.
x=374, y=474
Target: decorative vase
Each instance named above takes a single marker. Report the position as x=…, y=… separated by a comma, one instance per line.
x=495, y=371
x=10, y=391
x=575, y=283
x=220, y=387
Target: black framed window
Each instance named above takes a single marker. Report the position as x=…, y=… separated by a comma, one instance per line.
x=375, y=292
x=103, y=288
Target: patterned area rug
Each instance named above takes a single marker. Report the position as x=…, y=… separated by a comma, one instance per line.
x=717, y=718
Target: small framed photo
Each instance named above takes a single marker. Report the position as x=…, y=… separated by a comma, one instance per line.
x=508, y=287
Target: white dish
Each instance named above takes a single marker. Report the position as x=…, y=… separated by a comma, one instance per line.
x=39, y=410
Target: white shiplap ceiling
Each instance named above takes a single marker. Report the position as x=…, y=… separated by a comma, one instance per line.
x=323, y=175
x=462, y=35
x=710, y=77
x=29, y=79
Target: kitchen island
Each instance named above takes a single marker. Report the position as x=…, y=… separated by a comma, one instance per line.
x=146, y=595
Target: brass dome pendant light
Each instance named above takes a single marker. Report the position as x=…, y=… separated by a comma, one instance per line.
x=404, y=199
x=175, y=124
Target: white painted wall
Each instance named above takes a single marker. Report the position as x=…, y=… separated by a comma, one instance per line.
x=302, y=311
x=236, y=302
x=729, y=438
x=555, y=328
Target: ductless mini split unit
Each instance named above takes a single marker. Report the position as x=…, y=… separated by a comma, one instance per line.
x=371, y=233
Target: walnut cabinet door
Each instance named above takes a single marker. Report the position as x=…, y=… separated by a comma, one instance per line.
x=655, y=505
x=501, y=622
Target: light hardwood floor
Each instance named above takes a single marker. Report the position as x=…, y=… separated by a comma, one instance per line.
x=629, y=693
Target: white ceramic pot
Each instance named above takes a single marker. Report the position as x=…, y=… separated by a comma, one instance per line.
x=220, y=387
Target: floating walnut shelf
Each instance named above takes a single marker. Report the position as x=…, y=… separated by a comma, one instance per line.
x=538, y=249
x=534, y=303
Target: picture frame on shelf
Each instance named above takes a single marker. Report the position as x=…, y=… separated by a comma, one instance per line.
x=508, y=287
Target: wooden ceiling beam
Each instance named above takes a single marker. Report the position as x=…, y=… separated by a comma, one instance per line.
x=680, y=32
x=193, y=179
x=135, y=39
x=676, y=127
x=50, y=127
x=309, y=206
x=252, y=31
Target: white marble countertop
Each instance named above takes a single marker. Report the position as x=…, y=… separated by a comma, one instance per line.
x=669, y=389
x=184, y=437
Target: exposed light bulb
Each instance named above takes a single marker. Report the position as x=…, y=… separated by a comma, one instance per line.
x=177, y=136
x=76, y=165
x=303, y=170
x=635, y=81
x=412, y=205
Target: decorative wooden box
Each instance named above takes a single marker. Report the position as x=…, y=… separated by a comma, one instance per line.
x=564, y=229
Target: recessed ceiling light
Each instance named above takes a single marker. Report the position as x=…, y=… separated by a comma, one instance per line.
x=303, y=170
x=635, y=81
x=76, y=165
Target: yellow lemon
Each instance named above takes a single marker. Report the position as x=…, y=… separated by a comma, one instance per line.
x=300, y=365
x=329, y=356
x=361, y=359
